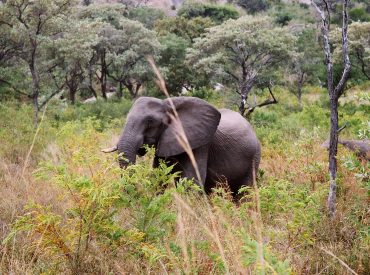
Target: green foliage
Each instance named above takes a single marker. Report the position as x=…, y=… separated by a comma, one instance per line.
x=148, y=16
x=177, y=73
x=188, y=29
x=221, y=52
x=249, y=255
x=172, y=59
x=254, y=6
x=299, y=207
x=105, y=113
x=359, y=14
x=283, y=18
x=359, y=49
x=218, y=13
x=94, y=198
x=203, y=92
x=107, y=13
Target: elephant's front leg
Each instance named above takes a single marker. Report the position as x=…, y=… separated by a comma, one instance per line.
x=201, y=159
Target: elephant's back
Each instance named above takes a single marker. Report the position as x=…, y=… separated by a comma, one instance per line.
x=234, y=148
x=235, y=128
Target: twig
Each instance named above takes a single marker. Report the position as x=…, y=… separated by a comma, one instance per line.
x=339, y=260
x=265, y=103
x=342, y=128
x=258, y=222
x=33, y=143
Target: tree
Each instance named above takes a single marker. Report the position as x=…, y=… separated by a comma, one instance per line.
x=188, y=29
x=127, y=51
x=242, y=51
x=335, y=91
x=98, y=66
x=146, y=15
x=29, y=25
x=176, y=34
x=359, y=46
x=70, y=55
x=177, y=73
x=306, y=63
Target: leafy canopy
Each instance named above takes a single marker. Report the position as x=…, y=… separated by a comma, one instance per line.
x=241, y=49
x=217, y=13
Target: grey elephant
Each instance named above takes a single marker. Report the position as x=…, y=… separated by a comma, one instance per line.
x=223, y=143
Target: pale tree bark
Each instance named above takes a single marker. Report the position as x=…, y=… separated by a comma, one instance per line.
x=334, y=92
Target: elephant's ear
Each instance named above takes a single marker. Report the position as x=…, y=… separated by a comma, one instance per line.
x=198, y=119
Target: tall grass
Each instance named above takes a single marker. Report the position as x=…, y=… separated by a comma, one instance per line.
x=74, y=211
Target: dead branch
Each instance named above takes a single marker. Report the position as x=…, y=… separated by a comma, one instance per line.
x=265, y=103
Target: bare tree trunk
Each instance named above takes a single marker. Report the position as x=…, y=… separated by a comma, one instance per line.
x=333, y=149
x=334, y=94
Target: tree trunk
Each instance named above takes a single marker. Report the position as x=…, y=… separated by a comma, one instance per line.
x=35, y=89
x=333, y=149
x=90, y=75
x=246, y=87
x=133, y=89
x=120, y=89
x=103, y=76
x=334, y=94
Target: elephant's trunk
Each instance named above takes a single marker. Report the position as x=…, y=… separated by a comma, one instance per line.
x=127, y=146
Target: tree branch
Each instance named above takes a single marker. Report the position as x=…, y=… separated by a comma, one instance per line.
x=13, y=88
x=265, y=103
x=338, y=91
x=48, y=99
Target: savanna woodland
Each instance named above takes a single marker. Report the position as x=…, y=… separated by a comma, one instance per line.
x=297, y=70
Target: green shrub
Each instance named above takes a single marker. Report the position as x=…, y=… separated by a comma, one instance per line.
x=218, y=13
x=254, y=6
x=96, y=194
x=283, y=18
x=359, y=14
x=105, y=112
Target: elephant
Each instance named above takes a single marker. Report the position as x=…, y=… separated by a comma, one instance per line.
x=223, y=142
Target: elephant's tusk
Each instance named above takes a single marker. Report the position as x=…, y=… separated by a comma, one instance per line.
x=110, y=150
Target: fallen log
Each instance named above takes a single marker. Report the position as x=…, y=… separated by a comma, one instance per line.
x=360, y=147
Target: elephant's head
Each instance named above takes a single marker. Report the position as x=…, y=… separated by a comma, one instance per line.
x=151, y=121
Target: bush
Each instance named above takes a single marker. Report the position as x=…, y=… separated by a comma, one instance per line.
x=254, y=6
x=218, y=13
x=359, y=15
x=283, y=18
x=105, y=112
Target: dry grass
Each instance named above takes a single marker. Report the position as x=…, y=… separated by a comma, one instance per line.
x=203, y=229
x=281, y=218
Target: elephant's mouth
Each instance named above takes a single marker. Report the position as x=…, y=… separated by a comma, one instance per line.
x=141, y=151
x=150, y=141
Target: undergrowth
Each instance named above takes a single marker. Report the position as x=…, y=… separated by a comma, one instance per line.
x=72, y=210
